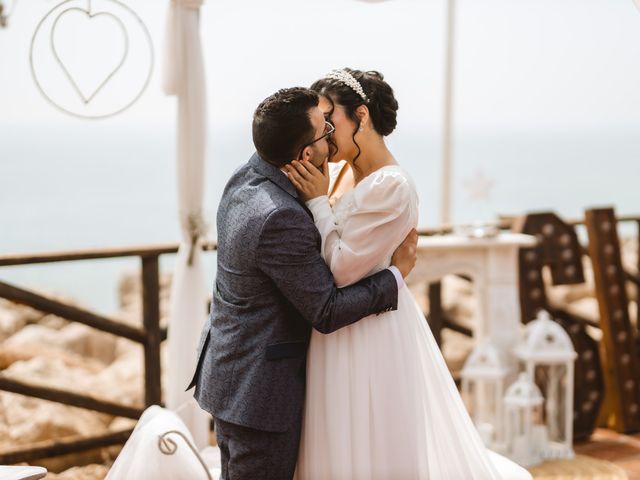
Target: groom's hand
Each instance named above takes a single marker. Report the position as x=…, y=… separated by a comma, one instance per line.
x=309, y=180
x=404, y=258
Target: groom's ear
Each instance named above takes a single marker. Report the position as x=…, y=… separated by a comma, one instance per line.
x=306, y=153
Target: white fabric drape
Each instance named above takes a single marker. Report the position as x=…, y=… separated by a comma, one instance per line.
x=184, y=78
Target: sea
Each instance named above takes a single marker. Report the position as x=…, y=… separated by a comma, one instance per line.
x=66, y=189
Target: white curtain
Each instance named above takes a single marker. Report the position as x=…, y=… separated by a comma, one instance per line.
x=184, y=78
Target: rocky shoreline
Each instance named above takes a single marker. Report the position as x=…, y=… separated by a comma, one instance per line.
x=48, y=350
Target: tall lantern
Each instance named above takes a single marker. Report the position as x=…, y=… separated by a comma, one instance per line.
x=548, y=356
x=524, y=425
x=483, y=384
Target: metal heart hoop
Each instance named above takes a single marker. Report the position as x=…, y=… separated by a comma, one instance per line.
x=122, y=64
x=84, y=98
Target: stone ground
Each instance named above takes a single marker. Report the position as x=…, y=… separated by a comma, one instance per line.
x=622, y=450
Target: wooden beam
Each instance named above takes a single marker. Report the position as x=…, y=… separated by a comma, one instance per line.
x=68, y=398
x=56, y=448
x=92, y=254
x=435, y=317
x=151, y=322
x=456, y=327
x=76, y=314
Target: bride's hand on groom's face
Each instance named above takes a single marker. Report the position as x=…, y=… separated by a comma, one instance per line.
x=309, y=180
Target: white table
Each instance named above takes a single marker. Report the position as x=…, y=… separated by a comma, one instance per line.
x=492, y=263
x=21, y=472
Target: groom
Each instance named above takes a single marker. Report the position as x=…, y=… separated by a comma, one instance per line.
x=272, y=287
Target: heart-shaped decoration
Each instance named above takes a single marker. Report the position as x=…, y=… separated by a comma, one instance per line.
x=92, y=39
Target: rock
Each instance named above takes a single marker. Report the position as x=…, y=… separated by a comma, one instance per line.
x=88, y=472
x=10, y=355
x=121, y=423
x=88, y=342
x=124, y=346
x=55, y=372
x=31, y=420
x=73, y=462
x=54, y=322
x=74, y=338
x=122, y=381
x=29, y=314
x=10, y=323
x=34, y=334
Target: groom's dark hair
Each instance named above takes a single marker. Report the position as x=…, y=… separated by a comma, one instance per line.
x=281, y=124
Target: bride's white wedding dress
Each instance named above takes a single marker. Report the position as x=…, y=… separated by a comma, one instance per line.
x=380, y=402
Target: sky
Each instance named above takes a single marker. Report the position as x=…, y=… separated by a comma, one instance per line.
x=520, y=64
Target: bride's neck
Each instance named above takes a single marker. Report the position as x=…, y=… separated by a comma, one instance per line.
x=374, y=155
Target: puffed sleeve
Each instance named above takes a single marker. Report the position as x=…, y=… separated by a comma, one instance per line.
x=384, y=211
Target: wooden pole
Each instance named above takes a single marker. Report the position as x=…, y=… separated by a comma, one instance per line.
x=54, y=448
x=68, y=398
x=151, y=322
x=76, y=314
x=445, y=207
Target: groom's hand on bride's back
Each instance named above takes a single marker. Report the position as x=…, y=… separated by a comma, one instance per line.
x=404, y=258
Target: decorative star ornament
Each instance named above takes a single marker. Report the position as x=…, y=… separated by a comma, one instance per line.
x=479, y=186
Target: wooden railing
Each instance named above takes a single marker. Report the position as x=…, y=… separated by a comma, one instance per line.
x=149, y=336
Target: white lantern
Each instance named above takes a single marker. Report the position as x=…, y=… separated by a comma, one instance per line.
x=483, y=383
x=548, y=355
x=525, y=432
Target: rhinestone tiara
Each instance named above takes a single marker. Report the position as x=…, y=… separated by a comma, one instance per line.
x=349, y=80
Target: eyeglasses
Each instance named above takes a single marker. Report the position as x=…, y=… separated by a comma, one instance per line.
x=328, y=131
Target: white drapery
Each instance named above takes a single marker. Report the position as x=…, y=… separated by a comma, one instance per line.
x=184, y=77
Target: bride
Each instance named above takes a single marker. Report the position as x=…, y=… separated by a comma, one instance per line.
x=380, y=401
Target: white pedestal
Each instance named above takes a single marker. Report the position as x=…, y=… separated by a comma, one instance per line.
x=492, y=263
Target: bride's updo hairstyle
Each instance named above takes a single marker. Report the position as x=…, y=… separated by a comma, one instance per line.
x=375, y=93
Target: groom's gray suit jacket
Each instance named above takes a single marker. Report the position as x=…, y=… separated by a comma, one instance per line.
x=271, y=287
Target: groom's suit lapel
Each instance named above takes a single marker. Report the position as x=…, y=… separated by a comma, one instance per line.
x=274, y=174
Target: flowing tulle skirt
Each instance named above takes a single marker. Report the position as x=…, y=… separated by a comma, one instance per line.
x=381, y=404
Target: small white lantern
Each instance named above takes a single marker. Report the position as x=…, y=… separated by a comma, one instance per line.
x=525, y=431
x=483, y=384
x=548, y=355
